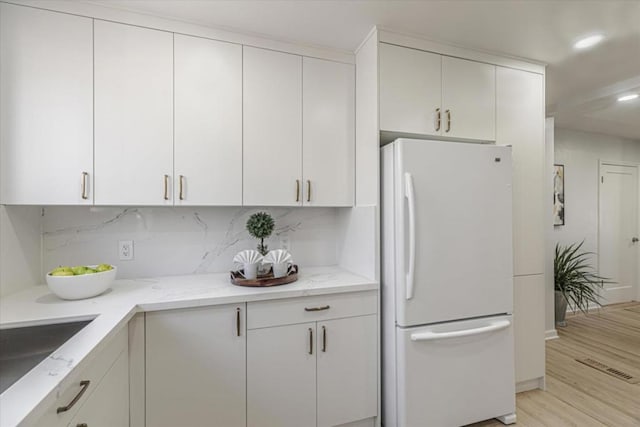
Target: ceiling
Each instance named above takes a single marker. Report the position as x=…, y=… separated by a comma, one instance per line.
x=582, y=86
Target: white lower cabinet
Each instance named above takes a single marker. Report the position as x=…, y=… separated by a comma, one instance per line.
x=109, y=404
x=346, y=370
x=281, y=376
x=195, y=367
x=99, y=395
x=314, y=373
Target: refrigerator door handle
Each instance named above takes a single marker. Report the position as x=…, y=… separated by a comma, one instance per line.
x=431, y=336
x=409, y=193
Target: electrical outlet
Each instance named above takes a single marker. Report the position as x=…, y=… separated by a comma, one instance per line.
x=125, y=250
x=284, y=243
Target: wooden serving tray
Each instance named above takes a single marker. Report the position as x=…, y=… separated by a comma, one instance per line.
x=264, y=280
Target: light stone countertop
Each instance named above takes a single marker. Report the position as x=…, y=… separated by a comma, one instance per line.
x=28, y=398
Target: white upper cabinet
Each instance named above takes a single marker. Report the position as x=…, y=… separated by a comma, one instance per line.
x=410, y=90
x=328, y=133
x=468, y=99
x=208, y=122
x=46, y=105
x=520, y=123
x=133, y=115
x=430, y=94
x=272, y=127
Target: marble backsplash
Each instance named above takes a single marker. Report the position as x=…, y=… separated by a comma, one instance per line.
x=180, y=240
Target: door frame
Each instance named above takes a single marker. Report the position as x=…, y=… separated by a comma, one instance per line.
x=602, y=163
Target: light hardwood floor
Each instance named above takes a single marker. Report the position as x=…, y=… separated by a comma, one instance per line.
x=578, y=395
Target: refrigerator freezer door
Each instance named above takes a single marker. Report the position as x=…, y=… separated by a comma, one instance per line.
x=448, y=380
x=452, y=231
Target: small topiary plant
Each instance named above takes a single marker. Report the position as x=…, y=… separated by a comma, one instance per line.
x=260, y=225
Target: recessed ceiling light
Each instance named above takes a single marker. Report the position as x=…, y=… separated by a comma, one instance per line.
x=588, y=41
x=628, y=97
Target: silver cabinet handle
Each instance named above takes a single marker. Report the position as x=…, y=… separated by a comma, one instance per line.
x=85, y=177
x=324, y=339
x=238, y=321
x=297, y=190
x=166, y=187
x=181, y=185
x=324, y=307
x=308, y=190
x=85, y=385
x=310, y=341
x=448, y=121
x=438, y=117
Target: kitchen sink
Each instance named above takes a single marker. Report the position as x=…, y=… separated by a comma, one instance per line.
x=21, y=349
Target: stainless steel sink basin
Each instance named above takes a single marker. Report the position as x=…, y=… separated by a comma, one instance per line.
x=21, y=349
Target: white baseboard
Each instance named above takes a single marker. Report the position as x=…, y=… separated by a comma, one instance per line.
x=551, y=334
x=536, y=383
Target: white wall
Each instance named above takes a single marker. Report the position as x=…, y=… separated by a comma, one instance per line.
x=171, y=241
x=580, y=152
x=20, y=248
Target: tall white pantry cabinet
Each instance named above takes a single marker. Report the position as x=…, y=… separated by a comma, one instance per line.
x=434, y=91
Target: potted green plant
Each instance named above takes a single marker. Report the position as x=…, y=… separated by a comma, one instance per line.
x=260, y=225
x=575, y=280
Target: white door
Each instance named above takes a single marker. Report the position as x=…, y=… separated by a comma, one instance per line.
x=208, y=122
x=453, y=213
x=347, y=370
x=133, y=115
x=328, y=133
x=196, y=367
x=618, y=232
x=455, y=374
x=108, y=405
x=468, y=99
x=272, y=124
x=46, y=107
x=410, y=90
x=281, y=376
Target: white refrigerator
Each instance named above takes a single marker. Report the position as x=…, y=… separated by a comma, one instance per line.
x=447, y=284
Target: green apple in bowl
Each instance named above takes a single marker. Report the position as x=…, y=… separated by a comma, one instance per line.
x=61, y=271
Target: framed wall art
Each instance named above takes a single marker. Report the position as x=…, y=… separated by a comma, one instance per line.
x=558, y=194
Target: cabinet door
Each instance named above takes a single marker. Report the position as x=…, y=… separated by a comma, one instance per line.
x=281, y=376
x=133, y=115
x=410, y=90
x=528, y=320
x=347, y=370
x=46, y=107
x=108, y=405
x=468, y=99
x=520, y=120
x=272, y=126
x=195, y=367
x=328, y=133
x=208, y=122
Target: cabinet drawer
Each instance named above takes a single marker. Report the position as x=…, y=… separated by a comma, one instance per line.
x=264, y=314
x=68, y=390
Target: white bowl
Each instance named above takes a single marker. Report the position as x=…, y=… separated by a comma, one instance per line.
x=84, y=286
